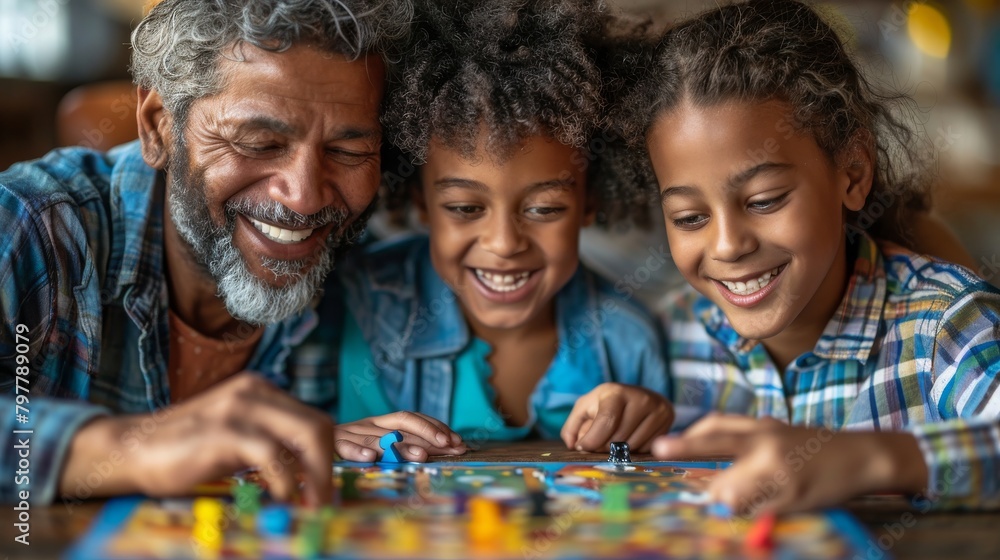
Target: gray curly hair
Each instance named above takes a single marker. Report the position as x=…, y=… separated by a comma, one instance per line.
x=176, y=47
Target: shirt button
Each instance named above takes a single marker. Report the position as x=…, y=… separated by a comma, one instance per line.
x=808, y=361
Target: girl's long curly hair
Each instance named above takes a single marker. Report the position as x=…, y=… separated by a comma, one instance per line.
x=515, y=68
x=762, y=50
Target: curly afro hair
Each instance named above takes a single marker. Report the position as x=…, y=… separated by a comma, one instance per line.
x=782, y=49
x=517, y=68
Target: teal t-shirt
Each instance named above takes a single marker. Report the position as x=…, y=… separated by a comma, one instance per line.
x=473, y=412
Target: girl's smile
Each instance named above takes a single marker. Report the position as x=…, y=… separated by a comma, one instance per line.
x=749, y=290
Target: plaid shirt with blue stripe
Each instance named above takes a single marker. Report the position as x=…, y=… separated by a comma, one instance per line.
x=81, y=269
x=914, y=345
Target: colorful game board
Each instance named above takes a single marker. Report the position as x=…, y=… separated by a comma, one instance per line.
x=478, y=510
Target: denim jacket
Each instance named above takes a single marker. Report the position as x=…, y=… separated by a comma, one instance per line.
x=415, y=328
x=81, y=268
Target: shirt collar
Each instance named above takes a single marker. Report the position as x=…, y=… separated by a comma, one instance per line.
x=852, y=330
x=850, y=333
x=439, y=327
x=136, y=195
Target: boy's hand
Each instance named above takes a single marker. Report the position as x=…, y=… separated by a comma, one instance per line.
x=423, y=436
x=240, y=423
x=616, y=412
x=780, y=468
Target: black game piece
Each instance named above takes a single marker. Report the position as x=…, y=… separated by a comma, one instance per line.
x=538, y=501
x=620, y=454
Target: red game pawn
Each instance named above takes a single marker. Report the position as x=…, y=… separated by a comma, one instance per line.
x=760, y=538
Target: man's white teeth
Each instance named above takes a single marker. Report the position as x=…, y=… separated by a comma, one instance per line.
x=751, y=286
x=502, y=282
x=285, y=236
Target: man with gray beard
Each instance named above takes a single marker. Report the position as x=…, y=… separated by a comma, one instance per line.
x=154, y=298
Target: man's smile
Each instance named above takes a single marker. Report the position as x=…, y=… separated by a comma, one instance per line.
x=283, y=244
x=281, y=235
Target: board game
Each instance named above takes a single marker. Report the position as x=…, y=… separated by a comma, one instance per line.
x=471, y=510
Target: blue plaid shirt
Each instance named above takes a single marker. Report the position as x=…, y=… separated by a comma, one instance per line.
x=83, y=297
x=915, y=341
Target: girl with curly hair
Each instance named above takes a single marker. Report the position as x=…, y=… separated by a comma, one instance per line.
x=490, y=326
x=774, y=155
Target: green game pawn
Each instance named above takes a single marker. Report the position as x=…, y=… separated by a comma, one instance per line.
x=349, y=487
x=246, y=498
x=615, y=502
x=309, y=540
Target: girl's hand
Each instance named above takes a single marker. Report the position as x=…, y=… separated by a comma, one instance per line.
x=422, y=436
x=780, y=468
x=616, y=412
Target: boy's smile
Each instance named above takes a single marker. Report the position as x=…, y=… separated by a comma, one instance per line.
x=506, y=286
x=755, y=218
x=504, y=236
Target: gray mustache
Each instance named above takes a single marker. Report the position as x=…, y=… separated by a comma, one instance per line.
x=280, y=215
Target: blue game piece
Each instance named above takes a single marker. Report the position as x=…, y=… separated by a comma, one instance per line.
x=461, y=501
x=719, y=509
x=388, y=444
x=274, y=521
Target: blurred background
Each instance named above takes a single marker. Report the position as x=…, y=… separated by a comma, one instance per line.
x=945, y=54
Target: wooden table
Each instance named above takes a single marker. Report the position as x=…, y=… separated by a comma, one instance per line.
x=905, y=532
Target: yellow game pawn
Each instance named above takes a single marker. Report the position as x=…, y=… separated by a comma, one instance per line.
x=206, y=532
x=403, y=536
x=485, y=520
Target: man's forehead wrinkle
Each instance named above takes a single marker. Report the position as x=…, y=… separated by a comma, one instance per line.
x=251, y=89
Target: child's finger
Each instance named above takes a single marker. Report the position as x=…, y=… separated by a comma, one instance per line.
x=604, y=424
x=454, y=437
x=370, y=436
x=351, y=451
x=723, y=424
x=573, y=427
x=746, y=490
x=584, y=428
x=684, y=447
x=632, y=418
x=413, y=452
x=642, y=436
x=430, y=429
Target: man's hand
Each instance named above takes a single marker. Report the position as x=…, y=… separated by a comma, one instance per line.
x=240, y=423
x=422, y=436
x=780, y=468
x=616, y=412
